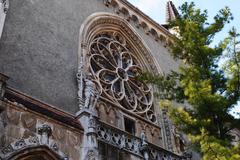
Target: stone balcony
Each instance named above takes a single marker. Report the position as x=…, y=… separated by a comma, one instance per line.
x=132, y=144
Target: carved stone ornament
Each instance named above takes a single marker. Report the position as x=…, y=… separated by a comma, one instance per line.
x=45, y=131
x=92, y=155
x=34, y=141
x=18, y=145
x=132, y=144
x=5, y=5
x=114, y=65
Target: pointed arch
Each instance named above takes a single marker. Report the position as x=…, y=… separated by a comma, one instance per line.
x=113, y=54
x=35, y=153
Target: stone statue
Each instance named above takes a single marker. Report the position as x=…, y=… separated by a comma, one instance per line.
x=144, y=146
x=91, y=93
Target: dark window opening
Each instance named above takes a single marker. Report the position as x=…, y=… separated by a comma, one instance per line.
x=129, y=126
x=108, y=152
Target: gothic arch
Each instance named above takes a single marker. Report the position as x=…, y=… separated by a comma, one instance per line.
x=35, y=153
x=114, y=55
x=32, y=148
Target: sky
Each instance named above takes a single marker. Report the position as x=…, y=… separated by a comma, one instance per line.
x=156, y=9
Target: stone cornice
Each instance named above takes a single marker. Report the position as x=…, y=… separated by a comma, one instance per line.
x=141, y=20
x=21, y=100
x=3, y=77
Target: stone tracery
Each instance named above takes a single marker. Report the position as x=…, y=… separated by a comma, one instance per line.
x=114, y=65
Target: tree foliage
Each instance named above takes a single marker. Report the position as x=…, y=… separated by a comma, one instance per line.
x=208, y=91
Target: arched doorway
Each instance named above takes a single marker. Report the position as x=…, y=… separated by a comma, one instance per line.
x=35, y=153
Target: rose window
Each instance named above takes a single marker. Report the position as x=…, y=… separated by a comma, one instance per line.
x=116, y=68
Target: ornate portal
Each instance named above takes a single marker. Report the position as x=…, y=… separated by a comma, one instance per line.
x=114, y=65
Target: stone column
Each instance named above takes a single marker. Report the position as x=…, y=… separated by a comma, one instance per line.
x=87, y=116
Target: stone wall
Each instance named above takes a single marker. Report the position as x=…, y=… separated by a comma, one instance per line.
x=21, y=126
x=39, y=46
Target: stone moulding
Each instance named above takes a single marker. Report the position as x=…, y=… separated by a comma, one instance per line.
x=141, y=20
x=32, y=143
x=19, y=99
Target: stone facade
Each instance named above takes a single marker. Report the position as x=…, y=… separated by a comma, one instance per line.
x=73, y=92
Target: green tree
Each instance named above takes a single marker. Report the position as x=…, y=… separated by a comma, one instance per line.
x=210, y=91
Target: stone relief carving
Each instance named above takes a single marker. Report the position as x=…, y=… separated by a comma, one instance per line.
x=114, y=65
x=34, y=141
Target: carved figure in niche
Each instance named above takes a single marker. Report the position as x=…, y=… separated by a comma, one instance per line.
x=91, y=92
x=123, y=142
x=143, y=138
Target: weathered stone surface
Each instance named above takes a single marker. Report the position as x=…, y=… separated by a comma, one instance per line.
x=3, y=78
x=58, y=134
x=39, y=51
x=39, y=48
x=74, y=139
x=13, y=116
x=29, y=121
x=13, y=131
